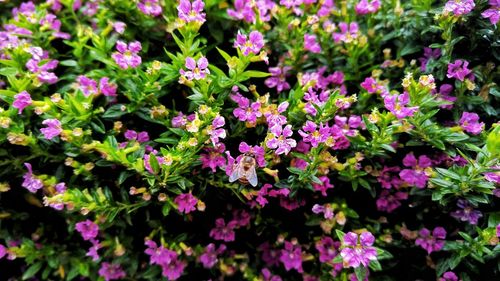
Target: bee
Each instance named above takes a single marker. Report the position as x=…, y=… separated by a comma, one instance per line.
x=244, y=170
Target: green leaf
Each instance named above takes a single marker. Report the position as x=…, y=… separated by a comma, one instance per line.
x=360, y=273
x=340, y=234
x=114, y=111
x=256, y=74
x=32, y=270
x=225, y=55
x=154, y=163
x=441, y=182
x=448, y=173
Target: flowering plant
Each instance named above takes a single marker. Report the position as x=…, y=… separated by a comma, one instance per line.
x=249, y=140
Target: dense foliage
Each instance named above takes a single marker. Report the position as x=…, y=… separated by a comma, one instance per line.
x=249, y=140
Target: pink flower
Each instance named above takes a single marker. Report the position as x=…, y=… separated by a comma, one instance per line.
x=461, y=7
x=186, y=202
x=367, y=7
x=278, y=78
x=459, y=70
x=397, y=105
x=355, y=254
x=493, y=13
x=209, y=256
x=106, y=88
x=92, y=252
x=215, y=131
x=213, y=158
x=127, y=55
x=429, y=54
x=313, y=134
x=327, y=248
x=431, y=242
x=326, y=210
x=278, y=139
x=347, y=32
x=191, y=12
x=150, y=7
x=119, y=27
x=53, y=128
x=323, y=188
x=388, y=180
x=196, y=70
x=291, y=257
x=388, y=202
x=310, y=44
x=371, y=85
x=111, y=271
x=245, y=111
x=470, y=123
x=87, y=86
x=253, y=44
x=3, y=251
x=21, y=101
x=417, y=175
x=88, y=229
x=31, y=182
x=449, y=276
x=222, y=231
x=243, y=10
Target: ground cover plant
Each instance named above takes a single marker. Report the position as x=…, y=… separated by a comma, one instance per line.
x=249, y=140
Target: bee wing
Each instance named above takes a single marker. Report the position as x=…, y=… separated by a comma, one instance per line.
x=251, y=176
x=236, y=173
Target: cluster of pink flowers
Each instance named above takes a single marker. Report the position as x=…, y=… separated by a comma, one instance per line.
x=39, y=65
x=172, y=266
x=214, y=157
x=89, y=231
x=415, y=174
x=278, y=78
x=398, y=105
x=127, y=55
x=348, y=32
x=246, y=111
x=268, y=191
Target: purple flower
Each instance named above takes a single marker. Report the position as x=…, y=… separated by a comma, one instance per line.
x=243, y=10
x=397, y=105
x=119, y=27
x=3, y=251
x=493, y=13
x=209, y=256
x=278, y=78
x=466, y=212
x=245, y=111
x=387, y=180
x=470, y=123
x=268, y=276
x=371, y=85
x=174, y=269
x=459, y=70
x=53, y=128
x=310, y=44
x=278, y=139
x=21, y=101
x=327, y=248
x=347, y=32
x=191, y=12
x=30, y=182
x=291, y=257
x=417, y=175
x=127, y=54
x=444, y=93
x=428, y=55
x=431, y=242
x=460, y=7
x=111, y=271
x=215, y=131
x=88, y=229
x=213, y=158
x=326, y=210
x=388, y=202
x=324, y=186
x=159, y=255
x=367, y=7
x=498, y=230
x=253, y=44
x=355, y=254
x=87, y=86
x=196, y=70
x=92, y=252
x=449, y=276
x=150, y=7
x=222, y=231
x=313, y=134
x=106, y=88
x=186, y=202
